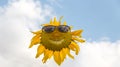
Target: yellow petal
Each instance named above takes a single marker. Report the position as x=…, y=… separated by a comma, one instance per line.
x=76, y=46
x=37, y=32
x=57, y=57
x=71, y=27
x=77, y=33
x=47, y=54
x=50, y=54
x=68, y=53
x=65, y=23
x=45, y=24
x=62, y=54
x=78, y=39
x=70, y=56
x=60, y=19
x=35, y=40
x=51, y=22
x=58, y=23
x=72, y=47
x=55, y=20
x=40, y=50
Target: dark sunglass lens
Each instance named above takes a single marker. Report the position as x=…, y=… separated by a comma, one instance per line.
x=48, y=29
x=63, y=28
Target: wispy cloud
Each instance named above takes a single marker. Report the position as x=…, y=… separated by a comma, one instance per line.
x=15, y=38
x=27, y=10
x=55, y=2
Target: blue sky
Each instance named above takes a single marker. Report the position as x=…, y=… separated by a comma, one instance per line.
x=98, y=18
x=3, y=2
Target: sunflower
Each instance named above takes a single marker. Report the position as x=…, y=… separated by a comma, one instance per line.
x=56, y=40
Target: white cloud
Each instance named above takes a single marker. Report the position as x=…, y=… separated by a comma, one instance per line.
x=28, y=10
x=98, y=54
x=15, y=38
x=14, y=34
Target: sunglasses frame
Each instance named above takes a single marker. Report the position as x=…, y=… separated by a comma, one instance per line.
x=57, y=27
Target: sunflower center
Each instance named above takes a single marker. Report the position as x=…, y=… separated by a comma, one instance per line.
x=56, y=40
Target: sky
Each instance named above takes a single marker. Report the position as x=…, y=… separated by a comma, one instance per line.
x=100, y=20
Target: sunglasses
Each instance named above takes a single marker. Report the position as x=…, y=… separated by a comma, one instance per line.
x=51, y=28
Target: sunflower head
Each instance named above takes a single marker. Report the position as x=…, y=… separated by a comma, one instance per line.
x=56, y=39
